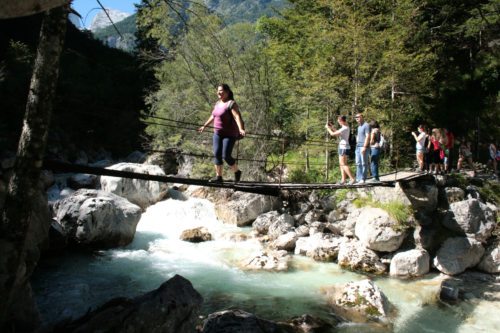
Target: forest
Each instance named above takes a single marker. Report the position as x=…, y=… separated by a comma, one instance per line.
x=293, y=65
x=402, y=63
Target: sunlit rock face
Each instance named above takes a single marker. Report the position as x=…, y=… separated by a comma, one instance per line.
x=143, y=193
x=93, y=218
x=457, y=254
x=101, y=20
x=360, y=301
x=410, y=263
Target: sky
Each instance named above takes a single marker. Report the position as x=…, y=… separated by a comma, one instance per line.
x=89, y=8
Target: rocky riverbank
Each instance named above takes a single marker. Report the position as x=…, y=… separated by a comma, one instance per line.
x=445, y=224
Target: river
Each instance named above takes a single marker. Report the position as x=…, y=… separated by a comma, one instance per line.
x=68, y=285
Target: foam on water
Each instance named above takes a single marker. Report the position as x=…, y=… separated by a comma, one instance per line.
x=76, y=282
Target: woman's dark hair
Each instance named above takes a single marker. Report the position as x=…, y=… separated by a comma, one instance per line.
x=226, y=88
x=343, y=118
x=374, y=124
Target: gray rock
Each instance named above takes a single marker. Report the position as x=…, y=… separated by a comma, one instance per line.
x=283, y=224
x=244, y=208
x=360, y=301
x=376, y=230
x=302, y=231
x=173, y=307
x=268, y=260
x=140, y=192
x=314, y=215
x=285, y=242
x=263, y=221
x=423, y=197
x=471, y=218
x=410, y=263
x=353, y=255
x=457, y=254
x=320, y=246
x=95, y=218
x=490, y=263
x=196, y=235
x=232, y=321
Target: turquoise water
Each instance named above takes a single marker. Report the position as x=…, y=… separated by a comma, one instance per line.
x=70, y=285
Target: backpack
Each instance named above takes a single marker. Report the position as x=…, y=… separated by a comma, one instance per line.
x=229, y=107
x=382, y=142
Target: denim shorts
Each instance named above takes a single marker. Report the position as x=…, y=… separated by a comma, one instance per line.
x=421, y=150
x=343, y=151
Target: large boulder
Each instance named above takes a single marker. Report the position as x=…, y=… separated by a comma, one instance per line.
x=360, y=301
x=263, y=221
x=410, y=263
x=268, y=260
x=231, y=321
x=320, y=246
x=422, y=196
x=354, y=256
x=173, y=307
x=285, y=242
x=196, y=235
x=457, y=254
x=244, y=208
x=378, y=231
x=345, y=226
x=471, y=218
x=283, y=224
x=95, y=218
x=140, y=192
x=490, y=262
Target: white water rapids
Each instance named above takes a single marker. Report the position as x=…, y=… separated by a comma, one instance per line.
x=71, y=284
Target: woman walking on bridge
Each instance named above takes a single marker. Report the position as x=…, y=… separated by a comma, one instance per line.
x=343, y=134
x=228, y=127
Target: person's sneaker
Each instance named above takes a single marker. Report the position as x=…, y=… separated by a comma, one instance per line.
x=217, y=179
x=352, y=182
x=237, y=176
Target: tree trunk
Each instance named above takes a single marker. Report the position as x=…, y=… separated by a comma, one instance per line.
x=23, y=184
x=10, y=9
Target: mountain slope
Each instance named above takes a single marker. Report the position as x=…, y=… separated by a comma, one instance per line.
x=233, y=11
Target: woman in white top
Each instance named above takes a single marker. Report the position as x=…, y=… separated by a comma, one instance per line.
x=344, y=148
x=421, y=149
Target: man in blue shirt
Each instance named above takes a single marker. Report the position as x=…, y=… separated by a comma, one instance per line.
x=362, y=148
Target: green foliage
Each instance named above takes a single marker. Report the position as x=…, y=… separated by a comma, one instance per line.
x=400, y=212
x=341, y=57
x=403, y=62
x=490, y=192
x=245, y=11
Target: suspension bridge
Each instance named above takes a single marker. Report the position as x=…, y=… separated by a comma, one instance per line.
x=267, y=188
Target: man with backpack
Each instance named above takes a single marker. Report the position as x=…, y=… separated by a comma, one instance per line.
x=362, y=149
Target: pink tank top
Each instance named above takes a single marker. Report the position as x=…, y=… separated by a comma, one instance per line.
x=224, y=122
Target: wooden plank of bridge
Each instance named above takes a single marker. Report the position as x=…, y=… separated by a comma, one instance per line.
x=267, y=188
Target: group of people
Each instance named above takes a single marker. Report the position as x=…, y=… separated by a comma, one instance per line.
x=433, y=150
x=229, y=127
x=367, y=150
